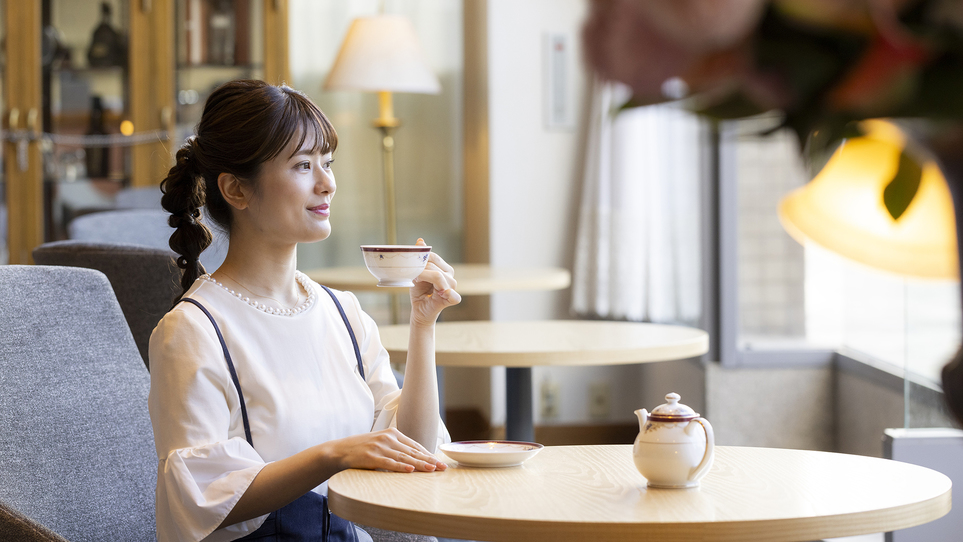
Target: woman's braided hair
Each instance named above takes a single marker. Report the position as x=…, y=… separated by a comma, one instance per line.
x=245, y=123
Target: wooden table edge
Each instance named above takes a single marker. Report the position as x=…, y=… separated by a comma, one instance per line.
x=510, y=530
x=694, y=346
x=695, y=349
x=931, y=505
x=553, y=279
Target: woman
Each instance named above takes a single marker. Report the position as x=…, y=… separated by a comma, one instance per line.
x=263, y=383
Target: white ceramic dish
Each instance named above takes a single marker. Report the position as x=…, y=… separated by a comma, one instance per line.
x=395, y=265
x=490, y=453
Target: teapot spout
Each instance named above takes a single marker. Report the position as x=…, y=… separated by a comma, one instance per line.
x=643, y=417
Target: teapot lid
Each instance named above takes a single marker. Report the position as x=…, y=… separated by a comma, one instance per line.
x=673, y=411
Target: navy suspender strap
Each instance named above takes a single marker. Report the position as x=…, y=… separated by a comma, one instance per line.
x=230, y=366
x=354, y=340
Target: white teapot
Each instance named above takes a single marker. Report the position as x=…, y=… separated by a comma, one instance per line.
x=675, y=446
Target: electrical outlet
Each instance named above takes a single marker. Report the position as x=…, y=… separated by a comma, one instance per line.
x=549, y=399
x=600, y=404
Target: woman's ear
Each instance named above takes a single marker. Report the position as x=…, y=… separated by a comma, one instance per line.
x=232, y=191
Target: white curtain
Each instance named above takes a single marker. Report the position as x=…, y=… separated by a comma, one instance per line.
x=638, y=245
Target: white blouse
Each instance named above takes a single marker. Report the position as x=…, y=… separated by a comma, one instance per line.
x=299, y=377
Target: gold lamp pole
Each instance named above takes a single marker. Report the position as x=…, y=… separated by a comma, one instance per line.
x=381, y=54
x=387, y=123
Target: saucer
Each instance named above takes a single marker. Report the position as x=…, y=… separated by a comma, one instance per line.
x=490, y=453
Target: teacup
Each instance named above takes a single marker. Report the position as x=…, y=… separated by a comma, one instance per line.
x=395, y=265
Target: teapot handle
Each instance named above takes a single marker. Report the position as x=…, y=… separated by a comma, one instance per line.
x=706, y=462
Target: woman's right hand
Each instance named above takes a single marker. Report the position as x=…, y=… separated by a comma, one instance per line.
x=389, y=449
x=280, y=482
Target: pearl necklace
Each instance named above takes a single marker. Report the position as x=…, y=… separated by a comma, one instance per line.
x=300, y=277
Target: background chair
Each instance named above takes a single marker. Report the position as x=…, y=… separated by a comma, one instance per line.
x=139, y=198
x=144, y=227
x=77, y=454
x=145, y=280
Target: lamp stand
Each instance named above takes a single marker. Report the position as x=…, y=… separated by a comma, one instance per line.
x=387, y=123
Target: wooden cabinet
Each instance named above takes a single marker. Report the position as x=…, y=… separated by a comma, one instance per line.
x=47, y=93
x=22, y=105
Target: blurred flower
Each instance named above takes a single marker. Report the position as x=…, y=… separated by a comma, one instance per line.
x=884, y=77
x=818, y=60
x=823, y=63
x=645, y=43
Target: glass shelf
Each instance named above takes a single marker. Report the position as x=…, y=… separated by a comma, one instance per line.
x=71, y=88
x=248, y=67
x=113, y=71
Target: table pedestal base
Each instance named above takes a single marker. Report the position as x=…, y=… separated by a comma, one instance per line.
x=518, y=385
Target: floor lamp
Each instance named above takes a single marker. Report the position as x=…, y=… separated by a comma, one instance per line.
x=382, y=54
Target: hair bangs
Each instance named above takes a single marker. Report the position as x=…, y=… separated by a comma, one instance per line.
x=310, y=121
x=302, y=118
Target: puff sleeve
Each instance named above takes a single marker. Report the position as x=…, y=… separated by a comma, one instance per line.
x=202, y=469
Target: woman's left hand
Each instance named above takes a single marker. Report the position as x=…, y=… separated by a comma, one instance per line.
x=433, y=291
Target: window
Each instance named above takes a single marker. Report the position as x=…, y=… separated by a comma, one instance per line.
x=792, y=298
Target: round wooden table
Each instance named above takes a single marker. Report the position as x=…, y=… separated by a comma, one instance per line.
x=577, y=493
x=523, y=345
x=473, y=279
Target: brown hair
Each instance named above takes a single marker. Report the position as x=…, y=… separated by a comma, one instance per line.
x=245, y=123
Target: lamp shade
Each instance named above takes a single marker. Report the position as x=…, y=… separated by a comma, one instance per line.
x=382, y=54
x=842, y=209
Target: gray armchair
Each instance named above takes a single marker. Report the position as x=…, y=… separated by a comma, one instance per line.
x=77, y=458
x=381, y=535
x=145, y=280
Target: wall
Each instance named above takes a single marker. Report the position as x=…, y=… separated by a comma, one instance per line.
x=772, y=407
x=843, y=406
x=535, y=171
x=534, y=187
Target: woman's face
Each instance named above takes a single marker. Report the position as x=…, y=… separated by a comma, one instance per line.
x=291, y=202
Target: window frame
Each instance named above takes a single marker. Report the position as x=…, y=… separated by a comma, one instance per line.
x=721, y=281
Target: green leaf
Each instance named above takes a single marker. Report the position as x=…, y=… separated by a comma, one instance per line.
x=899, y=193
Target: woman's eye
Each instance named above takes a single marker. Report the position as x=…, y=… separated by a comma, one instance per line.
x=304, y=166
x=327, y=165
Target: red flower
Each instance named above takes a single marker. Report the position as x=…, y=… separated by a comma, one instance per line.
x=884, y=78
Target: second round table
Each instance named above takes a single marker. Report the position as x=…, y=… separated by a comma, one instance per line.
x=519, y=346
